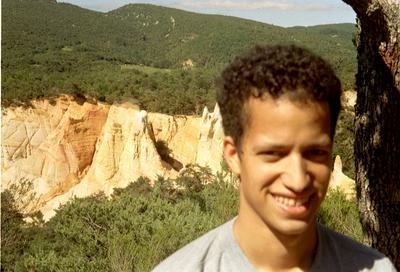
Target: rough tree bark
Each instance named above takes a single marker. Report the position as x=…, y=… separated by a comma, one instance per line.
x=377, y=140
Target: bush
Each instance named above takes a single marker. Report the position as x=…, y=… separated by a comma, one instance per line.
x=12, y=238
x=341, y=214
x=139, y=225
x=134, y=230
x=17, y=203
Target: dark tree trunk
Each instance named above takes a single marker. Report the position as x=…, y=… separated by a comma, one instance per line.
x=377, y=140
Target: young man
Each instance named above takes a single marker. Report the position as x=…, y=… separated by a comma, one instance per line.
x=279, y=106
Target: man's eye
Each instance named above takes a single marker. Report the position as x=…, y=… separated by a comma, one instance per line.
x=272, y=154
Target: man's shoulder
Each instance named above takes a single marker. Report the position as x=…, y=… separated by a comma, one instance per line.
x=345, y=244
x=198, y=253
x=349, y=254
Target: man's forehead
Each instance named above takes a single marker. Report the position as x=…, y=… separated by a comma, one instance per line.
x=299, y=94
x=301, y=100
x=267, y=102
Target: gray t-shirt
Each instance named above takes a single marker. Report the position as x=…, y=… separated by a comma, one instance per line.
x=218, y=250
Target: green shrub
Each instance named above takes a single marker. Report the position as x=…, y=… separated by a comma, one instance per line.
x=12, y=236
x=17, y=203
x=134, y=230
x=341, y=214
x=139, y=225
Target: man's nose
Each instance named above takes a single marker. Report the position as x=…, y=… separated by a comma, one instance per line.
x=297, y=178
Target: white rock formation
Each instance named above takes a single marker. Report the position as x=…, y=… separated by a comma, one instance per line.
x=209, y=149
x=69, y=150
x=57, y=150
x=349, y=98
x=341, y=181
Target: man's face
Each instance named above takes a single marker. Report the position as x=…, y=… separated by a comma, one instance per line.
x=284, y=163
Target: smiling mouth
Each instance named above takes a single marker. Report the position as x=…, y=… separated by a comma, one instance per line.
x=291, y=202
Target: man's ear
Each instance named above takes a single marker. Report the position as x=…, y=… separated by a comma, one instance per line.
x=231, y=154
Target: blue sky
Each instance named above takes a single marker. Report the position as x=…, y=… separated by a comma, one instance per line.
x=278, y=12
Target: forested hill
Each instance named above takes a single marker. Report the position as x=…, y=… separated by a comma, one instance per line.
x=138, y=51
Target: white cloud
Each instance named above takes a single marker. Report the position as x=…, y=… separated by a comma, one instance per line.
x=106, y=6
x=257, y=5
x=99, y=5
x=224, y=6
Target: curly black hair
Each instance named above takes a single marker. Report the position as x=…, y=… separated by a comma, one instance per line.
x=276, y=70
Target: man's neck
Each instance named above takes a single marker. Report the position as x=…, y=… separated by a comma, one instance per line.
x=270, y=251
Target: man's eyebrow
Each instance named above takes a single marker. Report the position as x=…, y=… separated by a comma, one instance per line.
x=271, y=145
x=320, y=143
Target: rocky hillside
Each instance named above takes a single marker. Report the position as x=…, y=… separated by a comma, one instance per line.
x=71, y=149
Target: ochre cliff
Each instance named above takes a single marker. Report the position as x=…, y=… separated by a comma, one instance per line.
x=51, y=146
x=68, y=149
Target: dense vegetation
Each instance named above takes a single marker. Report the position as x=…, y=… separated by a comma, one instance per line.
x=137, y=51
x=138, y=227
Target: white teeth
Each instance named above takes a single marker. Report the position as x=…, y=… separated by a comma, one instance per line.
x=290, y=202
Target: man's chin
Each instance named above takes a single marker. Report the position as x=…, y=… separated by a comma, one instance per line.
x=295, y=228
